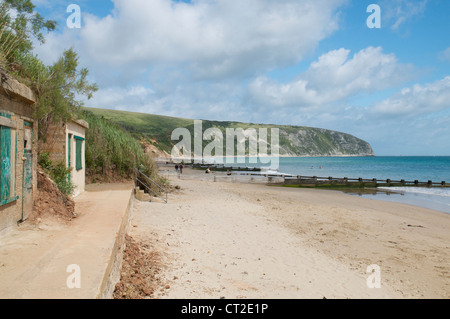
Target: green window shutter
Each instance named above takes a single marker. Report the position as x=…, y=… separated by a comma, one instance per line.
x=79, y=162
x=5, y=165
x=6, y=168
x=8, y=151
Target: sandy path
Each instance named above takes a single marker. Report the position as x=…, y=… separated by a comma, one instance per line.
x=252, y=241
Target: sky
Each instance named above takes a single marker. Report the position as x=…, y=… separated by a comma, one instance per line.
x=291, y=62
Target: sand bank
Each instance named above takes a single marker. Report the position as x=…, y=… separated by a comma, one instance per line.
x=236, y=240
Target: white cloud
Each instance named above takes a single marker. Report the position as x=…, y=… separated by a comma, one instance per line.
x=417, y=100
x=189, y=100
x=333, y=78
x=445, y=55
x=398, y=12
x=214, y=38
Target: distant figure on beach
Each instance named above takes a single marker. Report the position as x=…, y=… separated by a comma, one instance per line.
x=176, y=167
x=181, y=169
x=228, y=172
x=208, y=171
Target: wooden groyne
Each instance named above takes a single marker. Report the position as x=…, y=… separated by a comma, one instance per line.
x=315, y=181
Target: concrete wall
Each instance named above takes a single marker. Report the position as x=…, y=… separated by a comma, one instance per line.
x=78, y=177
x=18, y=101
x=57, y=145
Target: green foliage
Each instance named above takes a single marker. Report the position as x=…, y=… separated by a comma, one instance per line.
x=18, y=31
x=45, y=161
x=109, y=148
x=57, y=87
x=145, y=126
x=59, y=173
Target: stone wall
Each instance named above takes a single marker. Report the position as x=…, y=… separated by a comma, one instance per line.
x=17, y=101
x=55, y=143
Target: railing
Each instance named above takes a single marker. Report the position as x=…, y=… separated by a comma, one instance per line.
x=140, y=179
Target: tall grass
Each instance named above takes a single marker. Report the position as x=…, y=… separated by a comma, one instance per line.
x=9, y=41
x=112, y=150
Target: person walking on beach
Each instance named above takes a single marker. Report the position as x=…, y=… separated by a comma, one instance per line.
x=181, y=168
x=176, y=167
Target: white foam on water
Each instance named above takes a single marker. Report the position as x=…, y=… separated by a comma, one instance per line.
x=437, y=191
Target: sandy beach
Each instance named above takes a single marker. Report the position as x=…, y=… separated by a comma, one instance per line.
x=238, y=240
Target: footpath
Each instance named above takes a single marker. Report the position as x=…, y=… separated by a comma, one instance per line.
x=78, y=260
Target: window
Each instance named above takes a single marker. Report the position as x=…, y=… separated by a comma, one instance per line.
x=8, y=150
x=78, y=152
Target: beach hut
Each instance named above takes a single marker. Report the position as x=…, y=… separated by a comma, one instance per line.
x=65, y=142
x=18, y=153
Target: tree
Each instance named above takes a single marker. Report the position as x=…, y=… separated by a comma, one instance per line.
x=19, y=24
x=57, y=86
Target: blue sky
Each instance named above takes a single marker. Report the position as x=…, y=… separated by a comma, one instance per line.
x=298, y=62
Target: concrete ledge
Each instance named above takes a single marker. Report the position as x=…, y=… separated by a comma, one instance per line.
x=12, y=87
x=82, y=123
x=34, y=262
x=112, y=274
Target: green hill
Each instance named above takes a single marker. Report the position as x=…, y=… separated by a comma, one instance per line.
x=294, y=140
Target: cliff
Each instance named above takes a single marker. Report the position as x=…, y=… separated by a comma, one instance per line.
x=155, y=131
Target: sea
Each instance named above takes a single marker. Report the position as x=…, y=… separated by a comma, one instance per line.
x=409, y=168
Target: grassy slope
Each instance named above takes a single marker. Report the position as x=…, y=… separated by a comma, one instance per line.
x=147, y=126
x=157, y=130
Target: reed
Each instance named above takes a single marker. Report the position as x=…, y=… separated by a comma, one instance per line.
x=112, y=150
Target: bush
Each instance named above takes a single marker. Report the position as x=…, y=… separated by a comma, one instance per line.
x=59, y=173
x=44, y=161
